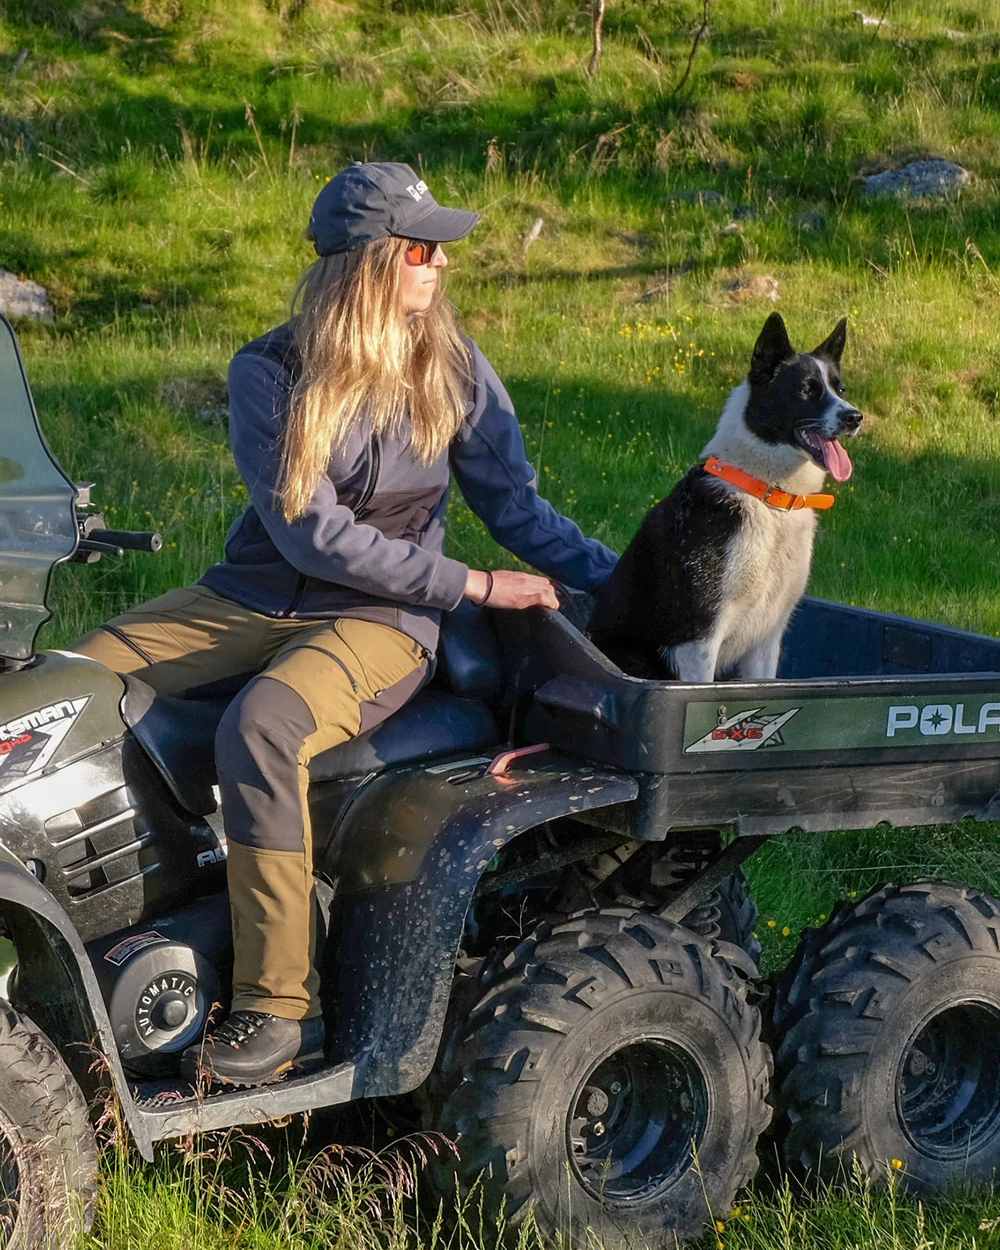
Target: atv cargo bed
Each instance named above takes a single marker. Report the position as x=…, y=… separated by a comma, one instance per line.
x=874, y=718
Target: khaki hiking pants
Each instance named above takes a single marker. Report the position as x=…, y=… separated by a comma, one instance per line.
x=311, y=685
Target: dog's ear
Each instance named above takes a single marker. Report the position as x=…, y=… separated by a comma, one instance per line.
x=772, y=348
x=832, y=348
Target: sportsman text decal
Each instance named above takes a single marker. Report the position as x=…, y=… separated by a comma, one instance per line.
x=28, y=743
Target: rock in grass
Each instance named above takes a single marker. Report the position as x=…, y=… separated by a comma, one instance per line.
x=745, y=288
x=811, y=222
x=203, y=396
x=927, y=179
x=867, y=20
x=704, y=198
x=21, y=299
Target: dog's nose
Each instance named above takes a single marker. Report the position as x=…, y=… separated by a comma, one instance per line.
x=851, y=419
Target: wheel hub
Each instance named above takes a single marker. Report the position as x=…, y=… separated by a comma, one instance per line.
x=635, y=1120
x=948, y=1082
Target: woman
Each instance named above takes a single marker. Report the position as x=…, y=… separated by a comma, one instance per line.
x=346, y=423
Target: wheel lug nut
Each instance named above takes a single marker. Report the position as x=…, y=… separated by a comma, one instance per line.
x=616, y=1087
x=599, y=1128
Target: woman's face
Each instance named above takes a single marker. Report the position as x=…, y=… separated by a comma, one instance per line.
x=418, y=284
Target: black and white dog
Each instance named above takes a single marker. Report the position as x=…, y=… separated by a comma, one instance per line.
x=706, y=587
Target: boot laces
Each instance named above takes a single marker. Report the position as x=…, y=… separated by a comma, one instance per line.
x=239, y=1027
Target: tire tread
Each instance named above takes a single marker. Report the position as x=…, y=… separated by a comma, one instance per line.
x=487, y=1092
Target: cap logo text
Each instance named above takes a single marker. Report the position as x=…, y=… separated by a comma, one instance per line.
x=417, y=190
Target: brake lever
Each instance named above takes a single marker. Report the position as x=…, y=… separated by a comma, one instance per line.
x=104, y=549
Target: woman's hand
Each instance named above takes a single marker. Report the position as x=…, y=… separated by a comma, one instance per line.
x=510, y=589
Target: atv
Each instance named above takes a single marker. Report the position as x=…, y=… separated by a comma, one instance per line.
x=527, y=881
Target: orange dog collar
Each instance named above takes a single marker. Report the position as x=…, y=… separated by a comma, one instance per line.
x=767, y=493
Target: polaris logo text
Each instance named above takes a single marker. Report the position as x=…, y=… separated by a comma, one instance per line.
x=937, y=719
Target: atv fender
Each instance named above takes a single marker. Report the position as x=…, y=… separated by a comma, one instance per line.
x=407, y=857
x=68, y=1006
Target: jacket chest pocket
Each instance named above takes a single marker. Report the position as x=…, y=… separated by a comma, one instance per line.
x=352, y=473
x=418, y=522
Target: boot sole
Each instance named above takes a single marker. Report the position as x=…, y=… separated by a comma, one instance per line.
x=301, y=1064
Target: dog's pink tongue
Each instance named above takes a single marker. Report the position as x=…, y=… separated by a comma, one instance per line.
x=837, y=461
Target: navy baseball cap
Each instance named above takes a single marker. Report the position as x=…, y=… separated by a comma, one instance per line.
x=372, y=199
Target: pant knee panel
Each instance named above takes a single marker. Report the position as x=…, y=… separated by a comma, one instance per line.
x=257, y=749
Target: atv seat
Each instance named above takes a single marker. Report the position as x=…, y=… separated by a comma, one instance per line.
x=452, y=714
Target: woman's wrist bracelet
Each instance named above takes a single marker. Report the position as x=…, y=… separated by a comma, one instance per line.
x=489, y=590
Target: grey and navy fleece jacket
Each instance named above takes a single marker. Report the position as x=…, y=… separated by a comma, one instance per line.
x=370, y=543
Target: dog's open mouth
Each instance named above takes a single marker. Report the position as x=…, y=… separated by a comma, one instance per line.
x=827, y=453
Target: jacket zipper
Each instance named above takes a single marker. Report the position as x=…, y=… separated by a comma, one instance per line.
x=300, y=589
x=376, y=465
x=376, y=462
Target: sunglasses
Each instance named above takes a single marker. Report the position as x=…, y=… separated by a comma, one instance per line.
x=419, y=253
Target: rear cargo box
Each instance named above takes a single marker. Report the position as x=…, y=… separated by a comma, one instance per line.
x=874, y=718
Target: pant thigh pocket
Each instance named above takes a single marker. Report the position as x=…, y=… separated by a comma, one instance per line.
x=189, y=620
x=381, y=655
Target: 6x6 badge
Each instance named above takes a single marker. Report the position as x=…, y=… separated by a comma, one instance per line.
x=30, y=741
x=745, y=731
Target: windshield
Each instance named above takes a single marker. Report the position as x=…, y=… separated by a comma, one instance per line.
x=37, y=518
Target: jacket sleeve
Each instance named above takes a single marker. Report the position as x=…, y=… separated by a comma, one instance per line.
x=326, y=541
x=489, y=462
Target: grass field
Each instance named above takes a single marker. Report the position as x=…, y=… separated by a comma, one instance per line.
x=157, y=163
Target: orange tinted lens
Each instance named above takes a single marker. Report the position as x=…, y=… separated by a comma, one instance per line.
x=420, y=253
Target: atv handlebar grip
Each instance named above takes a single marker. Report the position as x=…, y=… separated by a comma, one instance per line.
x=131, y=540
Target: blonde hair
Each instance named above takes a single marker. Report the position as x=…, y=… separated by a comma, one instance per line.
x=362, y=357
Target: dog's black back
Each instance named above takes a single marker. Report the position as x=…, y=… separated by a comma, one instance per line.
x=667, y=587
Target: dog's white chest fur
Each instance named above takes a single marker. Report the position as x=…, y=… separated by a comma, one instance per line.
x=766, y=562
x=766, y=570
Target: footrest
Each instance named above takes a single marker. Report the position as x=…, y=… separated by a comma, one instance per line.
x=174, y=1108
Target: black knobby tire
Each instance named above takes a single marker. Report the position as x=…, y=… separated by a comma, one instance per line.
x=730, y=914
x=627, y=1018
x=888, y=1050
x=48, y=1154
